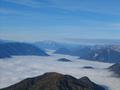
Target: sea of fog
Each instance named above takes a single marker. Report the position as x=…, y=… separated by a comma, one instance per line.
x=13, y=70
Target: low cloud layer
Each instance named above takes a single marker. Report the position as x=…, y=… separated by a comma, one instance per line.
x=15, y=69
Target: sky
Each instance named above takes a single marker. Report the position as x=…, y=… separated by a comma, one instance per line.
x=34, y=20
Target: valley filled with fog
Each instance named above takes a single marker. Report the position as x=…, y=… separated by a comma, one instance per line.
x=17, y=68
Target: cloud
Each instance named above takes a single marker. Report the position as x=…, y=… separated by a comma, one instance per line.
x=21, y=67
x=68, y=17
x=94, y=41
x=65, y=6
x=8, y=11
x=29, y=3
x=95, y=6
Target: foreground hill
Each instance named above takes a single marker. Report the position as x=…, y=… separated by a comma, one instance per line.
x=55, y=81
x=115, y=68
x=16, y=48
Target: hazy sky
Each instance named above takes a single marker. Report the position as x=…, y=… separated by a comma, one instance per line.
x=34, y=20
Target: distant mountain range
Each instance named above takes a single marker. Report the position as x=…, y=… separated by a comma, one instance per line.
x=4, y=41
x=55, y=81
x=104, y=53
x=8, y=49
x=47, y=44
x=116, y=69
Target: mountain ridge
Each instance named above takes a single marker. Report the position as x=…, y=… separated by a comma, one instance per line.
x=55, y=81
x=10, y=49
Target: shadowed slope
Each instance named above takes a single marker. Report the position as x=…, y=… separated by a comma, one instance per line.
x=16, y=48
x=115, y=68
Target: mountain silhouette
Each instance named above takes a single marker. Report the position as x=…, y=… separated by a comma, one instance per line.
x=55, y=81
x=15, y=48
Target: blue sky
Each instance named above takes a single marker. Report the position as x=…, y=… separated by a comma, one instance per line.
x=34, y=20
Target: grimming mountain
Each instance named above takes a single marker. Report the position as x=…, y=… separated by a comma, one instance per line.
x=55, y=81
x=63, y=51
x=48, y=44
x=10, y=49
x=53, y=45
